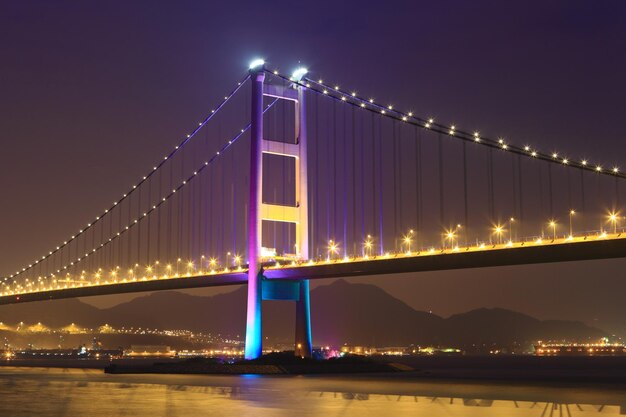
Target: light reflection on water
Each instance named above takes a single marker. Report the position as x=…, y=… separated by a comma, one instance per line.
x=84, y=392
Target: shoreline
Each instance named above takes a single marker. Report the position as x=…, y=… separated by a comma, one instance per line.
x=587, y=370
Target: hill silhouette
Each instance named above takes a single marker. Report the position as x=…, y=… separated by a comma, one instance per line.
x=354, y=314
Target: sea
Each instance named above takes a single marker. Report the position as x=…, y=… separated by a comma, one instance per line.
x=33, y=391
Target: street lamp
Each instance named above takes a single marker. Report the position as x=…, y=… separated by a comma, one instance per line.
x=458, y=232
x=511, y=221
x=450, y=235
x=367, y=246
x=407, y=239
x=613, y=218
x=498, y=230
x=571, y=214
x=552, y=224
x=332, y=248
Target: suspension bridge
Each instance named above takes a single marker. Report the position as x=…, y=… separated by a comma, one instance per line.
x=290, y=178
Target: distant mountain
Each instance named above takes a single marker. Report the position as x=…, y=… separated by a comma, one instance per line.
x=366, y=315
x=54, y=313
x=356, y=314
x=499, y=326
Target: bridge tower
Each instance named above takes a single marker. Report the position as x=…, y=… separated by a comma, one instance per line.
x=259, y=288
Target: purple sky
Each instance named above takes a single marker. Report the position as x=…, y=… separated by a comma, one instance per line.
x=92, y=92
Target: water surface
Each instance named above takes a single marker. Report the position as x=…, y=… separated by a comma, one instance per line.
x=89, y=392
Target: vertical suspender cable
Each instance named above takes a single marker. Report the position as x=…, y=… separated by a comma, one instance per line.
x=380, y=183
x=400, y=213
x=541, y=185
x=394, y=142
x=109, y=247
x=138, y=226
x=514, y=176
x=148, y=259
x=129, y=255
x=205, y=194
x=186, y=232
x=362, y=176
x=373, y=153
x=345, y=182
x=489, y=192
x=222, y=211
x=181, y=210
x=233, y=214
x=315, y=194
x=616, y=203
x=192, y=208
x=521, y=193
x=333, y=179
x=418, y=179
x=582, y=189
x=93, y=245
x=233, y=202
x=170, y=209
x=550, y=196
x=569, y=188
x=328, y=177
x=160, y=188
x=440, y=158
x=354, y=250
x=598, y=195
x=119, y=241
x=465, y=206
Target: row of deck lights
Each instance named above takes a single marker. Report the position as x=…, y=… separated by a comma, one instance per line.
x=333, y=249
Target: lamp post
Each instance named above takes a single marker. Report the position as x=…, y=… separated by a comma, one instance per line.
x=407, y=239
x=332, y=248
x=450, y=236
x=367, y=246
x=498, y=231
x=552, y=224
x=613, y=219
x=571, y=230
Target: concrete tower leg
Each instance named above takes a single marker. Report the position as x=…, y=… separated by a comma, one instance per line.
x=254, y=341
x=304, y=343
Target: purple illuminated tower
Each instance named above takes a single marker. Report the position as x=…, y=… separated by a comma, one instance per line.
x=259, y=288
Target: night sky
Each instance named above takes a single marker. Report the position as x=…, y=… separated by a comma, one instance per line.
x=91, y=93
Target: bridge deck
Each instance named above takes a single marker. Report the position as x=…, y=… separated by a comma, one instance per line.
x=499, y=255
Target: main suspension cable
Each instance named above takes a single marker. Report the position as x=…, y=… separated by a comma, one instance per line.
x=145, y=178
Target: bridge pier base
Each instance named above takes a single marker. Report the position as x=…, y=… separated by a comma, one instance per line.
x=303, y=344
x=254, y=334
x=298, y=291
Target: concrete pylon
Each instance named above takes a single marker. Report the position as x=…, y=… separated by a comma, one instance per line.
x=260, y=289
x=254, y=343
